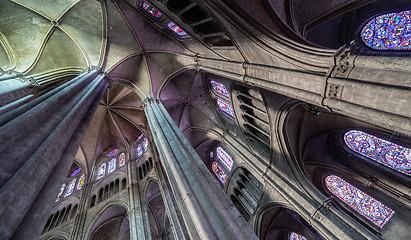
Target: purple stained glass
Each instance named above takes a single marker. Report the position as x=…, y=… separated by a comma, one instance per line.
x=219, y=88
x=176, y=29
x=139, y=137
x=139, y=150
x=112, y=165
x=61, y=192
x=225, y=158
x=296, y=236
x=151, y=10
x=122, y=159
x=219, y=172
x=101, y=171
x=112, y=153
x=390, y=31
x=373, y=210
x=225, y=107
x=75, y=172
x=70, y=188
x=145, y=144
x=382, y=151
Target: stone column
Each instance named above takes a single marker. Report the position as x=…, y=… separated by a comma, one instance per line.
x=38, y=141
x=206, y=209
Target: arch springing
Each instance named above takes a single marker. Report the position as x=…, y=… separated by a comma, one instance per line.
x=225, y=107
x=219, y=172
x=379, y=150
x=373, y=210
x=390, y=31
x=219, y=88
x=296, y=236
x=225, y=158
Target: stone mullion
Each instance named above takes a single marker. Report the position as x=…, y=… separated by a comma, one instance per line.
x=80, y=219
x=206, y=206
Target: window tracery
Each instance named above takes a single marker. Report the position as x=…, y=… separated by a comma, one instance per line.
x=122, y=160
x=225, y=158
x=61, y=192
x=112, y=165
x=379, y=150
x=70, y=188
x=112, y=152
x=225, y=107
x=219, y=88
x=145, y=144
x=373, y=210
x=151, y=10
x=296, y=236
x=81, y=182
x=219, y=172
x=101, y=171
x=390, y=31
x=139, y=150
x=74, y=173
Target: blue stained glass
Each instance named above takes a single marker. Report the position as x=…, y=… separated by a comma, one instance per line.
x=139, y=150
x=382, y=151
x=70, y=188
x=373, y=210
x=176, y=29
x=61, y=192
x=296, y=236
x=75, y=172
x=219, y=172
x=390, y=31
x=112, y=165
x=101, y=171
x=151, y=10
x=219, y=88
x=145, y=144
x=225, y=107
x=224, y=158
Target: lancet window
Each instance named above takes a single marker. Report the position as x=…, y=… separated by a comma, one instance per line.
x=81, y=182
x=296, y=236
x=60, y=192
x=373, y=210
x=101, y=171
x=145, y=144
x=177, y=30
x=151, y=10
x=122, y=160
x=112, y=165
x=70, y=187
x=219, y=88
x=390, y=31
x=219, y=172
x=379, y=150
x=225, y=107
x=139, y=150
x=112, y=153
x=224, y=158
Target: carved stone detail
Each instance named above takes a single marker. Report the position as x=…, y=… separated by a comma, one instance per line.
x=334, y=91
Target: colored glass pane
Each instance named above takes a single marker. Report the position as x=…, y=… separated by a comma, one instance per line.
x=296, y=236
x=112, y=165
x=219, y=172
x=139, y=150
x=151, y=10
x=75, y=172
x=176, y=29
x=225, y=107
x=219, y=88
x=224, y=158
x=145, y=144
x=81, y=182
x=112, y=153
x=211, y=154
x=382, y=151
x=373, y=210
x=139, y=137
x=390, y=31
x=122, y=160
x=61, y=192
x=101, y=171
x=70, y=187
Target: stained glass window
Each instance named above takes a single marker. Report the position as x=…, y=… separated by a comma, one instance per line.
x=224, y=158
x=145, y=144
x=139, y=137
x=112, y=165
x=139, y=150
x=81, y=182
x=70, y=187
x=382, y=151
x=101, y=171
x=122, y=160
x=151, y=10
x=225, y=107
x=112, y=153
x=219, y=172
x=61, y=192
x=373, y=210
x=176, y=29
x=75, y=172
x=296, y=236
x=219, y=88
x=390, y=31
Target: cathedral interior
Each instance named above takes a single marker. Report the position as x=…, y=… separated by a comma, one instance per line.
x=205, y=119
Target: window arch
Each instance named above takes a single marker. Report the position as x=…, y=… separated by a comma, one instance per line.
x=379, y=150
x=373, y=210
x=296, y=236
x=112, y=152
x=225, y=107
x=219, y=172
x=390, y=31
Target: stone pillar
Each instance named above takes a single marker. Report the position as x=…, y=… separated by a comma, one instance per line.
x=80, y=219
x=49, y=130
x=206, y=209
x=139, y=228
